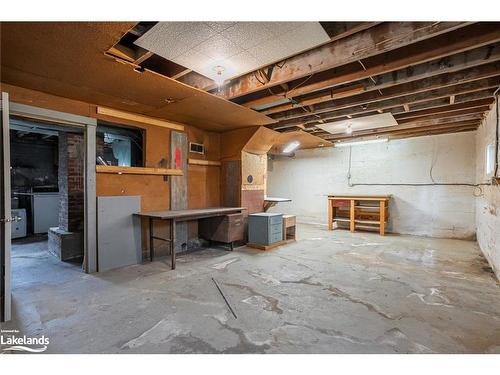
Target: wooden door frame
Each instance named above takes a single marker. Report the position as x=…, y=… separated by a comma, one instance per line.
x=5, y=213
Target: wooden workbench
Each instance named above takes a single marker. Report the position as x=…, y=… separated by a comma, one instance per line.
x=360, y=211
x=174, y=216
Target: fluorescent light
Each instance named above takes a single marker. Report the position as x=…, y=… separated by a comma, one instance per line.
x=291, y=146
x=356, y=143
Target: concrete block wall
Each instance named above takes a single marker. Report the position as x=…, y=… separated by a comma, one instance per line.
x=71, y=181
x=436, y=211
x=488, y=201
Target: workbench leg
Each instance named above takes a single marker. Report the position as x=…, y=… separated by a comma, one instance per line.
x=382, y=218
x=151, y=240
x=352, y=216
x=172, y=242
x=330, y=214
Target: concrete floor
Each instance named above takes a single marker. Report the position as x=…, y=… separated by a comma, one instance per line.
x=330, y=292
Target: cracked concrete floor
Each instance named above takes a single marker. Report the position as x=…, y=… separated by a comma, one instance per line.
x=330, y=292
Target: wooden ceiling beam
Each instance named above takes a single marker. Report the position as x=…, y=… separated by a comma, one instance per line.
x=419, y=132
x=357, y=106
x=181, y=74
x=450, y=52
x=375, y=40
x=480, y=103
x=467, y=60
x=469, y=100
x=443, y=118
x=400, y=129
x=440, y=81
x=198, y=81
x=454, y=115
x=435, y=132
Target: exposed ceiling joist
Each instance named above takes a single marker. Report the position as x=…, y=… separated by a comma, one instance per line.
x=375, y=40
x=393, y=99
x=450, y=64
x=443, y=80
x=408, y=128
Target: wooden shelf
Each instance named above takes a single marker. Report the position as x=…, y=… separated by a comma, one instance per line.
x=359, y=212
x=369, y=207
x=344, y=219
x=138, y=170
x=374, y=222
x=213, y=163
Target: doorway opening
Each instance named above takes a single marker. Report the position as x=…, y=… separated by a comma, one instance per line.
x=47, y=199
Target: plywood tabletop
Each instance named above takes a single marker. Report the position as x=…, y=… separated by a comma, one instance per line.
x=179, y=214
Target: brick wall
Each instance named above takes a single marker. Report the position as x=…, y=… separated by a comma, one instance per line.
x=71, y=181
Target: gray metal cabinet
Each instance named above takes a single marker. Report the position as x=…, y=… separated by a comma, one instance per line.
x=265, y=228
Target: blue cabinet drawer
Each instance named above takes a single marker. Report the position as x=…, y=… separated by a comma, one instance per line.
x=275, y=237
x=275, y=229
x=276, y=220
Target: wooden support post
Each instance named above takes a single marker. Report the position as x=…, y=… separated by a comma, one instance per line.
x=352, y=216
x=330, y=214
x=178, y=186
x=382, y=217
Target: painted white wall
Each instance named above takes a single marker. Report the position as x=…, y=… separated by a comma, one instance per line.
x=488, y=204
x=437, y=211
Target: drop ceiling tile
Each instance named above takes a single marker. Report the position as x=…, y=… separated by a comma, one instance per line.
x=243, y=62
x=162, y=39
x=171, y=39
x=195, y=33
x=270, y=51
x=240, y=47
x=279, y=28
x=360, y=123
x=247, y=34
x=218, y=47
x=299, y=39
x=195, y=60
x=220, y=26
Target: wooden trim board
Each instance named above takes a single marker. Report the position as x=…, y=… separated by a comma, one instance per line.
x=138, y=170
x=214, y=163
x=139, y=118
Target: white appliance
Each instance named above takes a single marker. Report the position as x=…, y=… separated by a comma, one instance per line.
x=45, y=208
x=18, y=227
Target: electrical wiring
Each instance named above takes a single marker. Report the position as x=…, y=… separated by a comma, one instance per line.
x=470, y=184
x=301, y=83
x=433, y=160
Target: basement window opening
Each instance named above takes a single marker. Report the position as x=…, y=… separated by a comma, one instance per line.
x=119, y=146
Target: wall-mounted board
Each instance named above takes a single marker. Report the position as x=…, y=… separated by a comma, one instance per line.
x=118, y=232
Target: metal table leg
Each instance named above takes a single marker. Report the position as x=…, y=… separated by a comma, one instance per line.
x=172, y=242
x=151, y=240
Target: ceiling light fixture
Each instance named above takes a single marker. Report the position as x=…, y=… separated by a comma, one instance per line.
x=357, y=143
x=219, y=79
x=291, y=147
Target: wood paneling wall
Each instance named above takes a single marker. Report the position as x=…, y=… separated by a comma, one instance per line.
x=203, y=187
